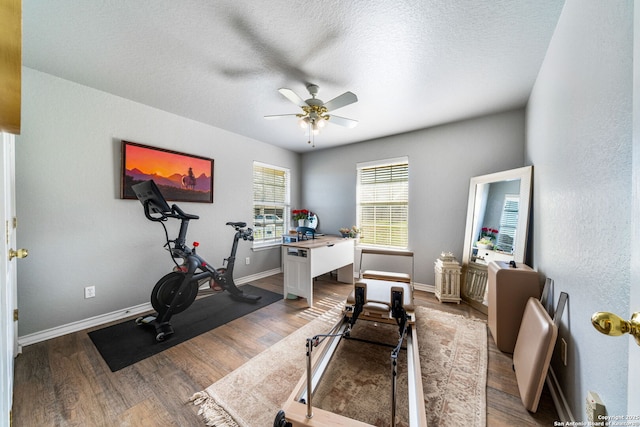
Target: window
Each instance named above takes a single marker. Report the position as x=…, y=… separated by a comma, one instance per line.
x=383, y=203
x=270, y=204
x=508, y=223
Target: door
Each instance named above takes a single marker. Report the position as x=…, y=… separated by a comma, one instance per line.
x=8, y=292
x=633, y=383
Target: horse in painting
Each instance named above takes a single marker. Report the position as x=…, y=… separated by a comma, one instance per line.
x=189, y=182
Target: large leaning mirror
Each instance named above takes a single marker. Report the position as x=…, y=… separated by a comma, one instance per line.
x=496, y=230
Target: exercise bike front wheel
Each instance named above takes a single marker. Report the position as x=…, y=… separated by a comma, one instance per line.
x=167, y=289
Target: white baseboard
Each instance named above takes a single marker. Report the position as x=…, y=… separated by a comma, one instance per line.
x=261, y=275
x=102, y=319
x=559, y=401
x=424, y=287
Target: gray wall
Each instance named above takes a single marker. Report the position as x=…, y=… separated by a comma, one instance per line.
x=77, y=229
x=579, y=137
x=442, y=160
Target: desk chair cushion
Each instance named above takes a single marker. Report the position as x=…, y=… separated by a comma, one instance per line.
x=378, y=295
x=532, y=353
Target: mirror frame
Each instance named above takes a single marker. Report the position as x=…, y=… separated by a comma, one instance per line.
x=525, y=175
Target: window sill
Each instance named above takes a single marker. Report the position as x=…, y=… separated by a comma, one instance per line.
x=381, y=247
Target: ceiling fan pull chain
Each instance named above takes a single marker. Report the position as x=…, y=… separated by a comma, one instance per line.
x=311, y=140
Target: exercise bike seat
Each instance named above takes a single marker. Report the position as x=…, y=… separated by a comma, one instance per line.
x=237, y=224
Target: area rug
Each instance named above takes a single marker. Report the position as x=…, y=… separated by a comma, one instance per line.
x=126, y=343
x=453, y=358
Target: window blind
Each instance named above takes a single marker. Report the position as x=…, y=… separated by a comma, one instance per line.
x=271, y=189
x=508, y=223
x=383, y=203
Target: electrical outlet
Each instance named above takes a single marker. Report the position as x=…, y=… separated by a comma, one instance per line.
x=595, y=408
x=563, y=351
x=247, y=260
x=89, y=292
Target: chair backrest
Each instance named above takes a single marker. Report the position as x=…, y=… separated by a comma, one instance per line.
x=305, y=232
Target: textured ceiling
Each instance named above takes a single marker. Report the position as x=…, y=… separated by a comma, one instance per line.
x=413, y=64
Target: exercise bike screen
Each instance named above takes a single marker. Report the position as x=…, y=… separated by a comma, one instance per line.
x=148, y=192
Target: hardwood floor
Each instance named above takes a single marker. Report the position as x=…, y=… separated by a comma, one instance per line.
x=65, y=382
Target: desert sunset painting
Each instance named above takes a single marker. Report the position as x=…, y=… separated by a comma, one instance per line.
x=180, y=176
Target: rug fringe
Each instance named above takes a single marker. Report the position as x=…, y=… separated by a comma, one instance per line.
x=214, y=415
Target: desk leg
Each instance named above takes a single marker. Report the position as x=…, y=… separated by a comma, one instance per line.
x=308, y=291
x=302, y=287
x=297, y=276
x=345, y=274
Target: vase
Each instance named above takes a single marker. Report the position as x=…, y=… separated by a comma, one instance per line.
x=301, y=223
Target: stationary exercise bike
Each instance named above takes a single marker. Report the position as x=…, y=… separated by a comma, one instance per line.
x=177, y=290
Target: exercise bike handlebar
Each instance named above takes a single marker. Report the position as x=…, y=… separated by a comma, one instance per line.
x=175, y=212
x=178, y=213
x=181, y=214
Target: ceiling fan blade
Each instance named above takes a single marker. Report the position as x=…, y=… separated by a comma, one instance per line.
x=341, y=101
x=279, y=116
x=343, y=121
x=292, y=96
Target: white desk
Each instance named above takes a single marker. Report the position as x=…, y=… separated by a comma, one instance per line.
x=307, y=259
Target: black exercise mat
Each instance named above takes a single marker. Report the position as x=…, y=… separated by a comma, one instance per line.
x=126, y=343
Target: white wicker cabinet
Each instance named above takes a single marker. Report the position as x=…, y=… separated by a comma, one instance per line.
x=447, y=271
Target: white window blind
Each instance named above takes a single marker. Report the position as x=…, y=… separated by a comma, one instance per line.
x=383, y=203
x=508, y=223
x=271, y=208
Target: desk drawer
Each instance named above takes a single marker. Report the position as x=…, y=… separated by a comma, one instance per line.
x=331, y=257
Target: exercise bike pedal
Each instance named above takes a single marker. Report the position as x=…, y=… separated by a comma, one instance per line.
x=163, y=330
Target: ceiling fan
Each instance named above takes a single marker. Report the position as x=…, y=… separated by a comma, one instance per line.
x=315, y=112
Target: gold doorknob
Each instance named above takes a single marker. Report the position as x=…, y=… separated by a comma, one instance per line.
x=614, y=325
x=20, y=253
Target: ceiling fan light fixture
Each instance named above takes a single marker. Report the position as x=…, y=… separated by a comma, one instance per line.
x=314, y=110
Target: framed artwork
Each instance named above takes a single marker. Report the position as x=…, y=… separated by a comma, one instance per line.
x=179, y=176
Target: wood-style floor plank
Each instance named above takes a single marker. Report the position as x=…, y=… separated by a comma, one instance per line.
x=71, y=384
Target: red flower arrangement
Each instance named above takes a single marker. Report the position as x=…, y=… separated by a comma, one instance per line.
x=301, y=214
x=488, y=232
